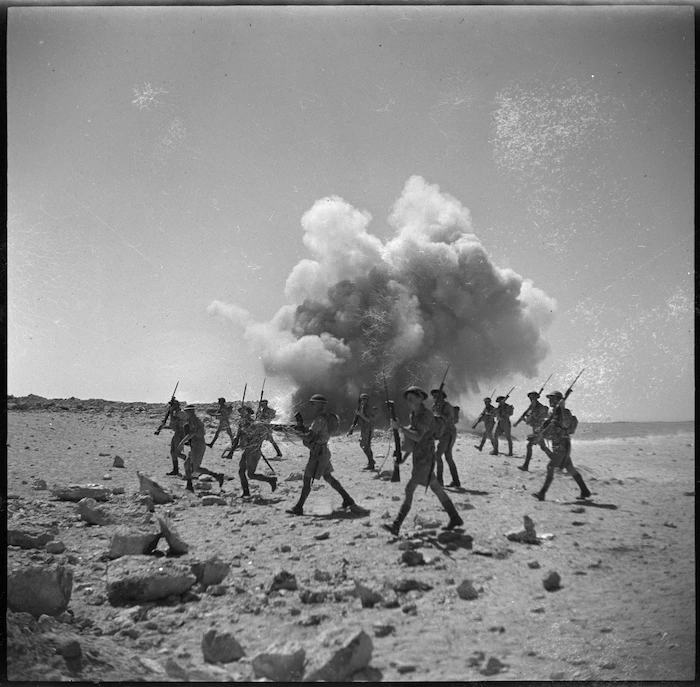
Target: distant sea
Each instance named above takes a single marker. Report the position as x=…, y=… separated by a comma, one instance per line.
x=616, y=430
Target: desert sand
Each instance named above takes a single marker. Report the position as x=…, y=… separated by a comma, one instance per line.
x=625, y=609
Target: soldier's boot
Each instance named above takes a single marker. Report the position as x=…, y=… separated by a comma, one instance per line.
x=510, y=447
x=438, y=470
x=189, y=486
x=585, y=492
x=276, y=447
x=455, y=477
x=396, y=525
x=525, y=466
x=273, y=482
x=495, y=447
x=479, y=447
x=455, y=519
x=176, y=468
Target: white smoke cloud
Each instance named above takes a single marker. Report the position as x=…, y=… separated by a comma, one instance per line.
x=405, y=308
x=229, y=311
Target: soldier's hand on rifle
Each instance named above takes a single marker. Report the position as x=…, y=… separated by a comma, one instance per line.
x=395, y=424
x=349, y=432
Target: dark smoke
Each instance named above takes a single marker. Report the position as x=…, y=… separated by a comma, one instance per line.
x=401, y=310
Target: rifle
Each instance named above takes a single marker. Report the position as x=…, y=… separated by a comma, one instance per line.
x=527, y=410
x=567, y=393
x=170, y=407
x=356, y=418
x=483, y=412
x=396, y=476
x=442, y=385
x=257, y=414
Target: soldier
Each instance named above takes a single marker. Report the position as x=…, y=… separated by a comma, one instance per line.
x=489, y=419
x=364, y=416
x=319, y=464
x=178, y=426
x=447, y=437
x=266, y=415
x=252, y=434
x=503, y=412
x=536, y=415
x=224, y=415
x=195, y=436
x=561, y=423
x=419, y=434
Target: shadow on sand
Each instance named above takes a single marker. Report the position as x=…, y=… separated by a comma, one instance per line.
x=590, y=504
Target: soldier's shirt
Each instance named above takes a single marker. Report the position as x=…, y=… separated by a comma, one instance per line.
x=421, y=422
x=503, y=413
x=224, y=414
x=267, y=414
x=370, y=414
x=196, y=428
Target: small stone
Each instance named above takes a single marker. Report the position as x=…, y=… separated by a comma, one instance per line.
x=221, y=647
x=493, y=667
x=405, y=668
x=552, y=582
x=55, y=547
x=383, y=630
x=466, y=591
x=322, y=536
x=39, y=485
x=533, y=564
x=409, y=609
x=412, y=558
x=118, y=462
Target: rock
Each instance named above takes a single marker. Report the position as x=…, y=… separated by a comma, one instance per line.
x=175, y=670
x=493, y=667
x=118, y=462
x=368, y=597
x=156, y=492
x=146, y=501
x=409, y=609
x=221, y=647
x=339, y=653
x=39, y=485
x=311, y=596
x=322, y=576
x=217, y=590
x=75, y=492
x=280, y=662
x=68, y=647
x=533, y=564
x=118, y=490
x=28, y=539
x=138, y=579
x=322, y=536
x=411, y=558
x=43, y=589
x=177, y=545
x=55, y=547
x=466, y=591
x=212, y=500
x=406, y=585
x=282, y=580
x=405, y=668
x=209, y=572
x=527, y=535
x=130, y=541
x=552, y=582
x=383, y=630
x=460, y=539
x=92, y=514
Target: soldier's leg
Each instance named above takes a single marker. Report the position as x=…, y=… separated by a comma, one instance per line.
x=510, y=441
x=438, y=466
x=528, y=455
x=446, y=502
x=494, y=441
x=298, y=509
x=347, y=499
x=569, y=466
x=274, y=445
x=173, y=455
x=216, y=436
x=483, y=440
x=270, y=479
x=450, y=460
x=411, y=487
x=242, y=475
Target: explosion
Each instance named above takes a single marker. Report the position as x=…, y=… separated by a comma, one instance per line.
x=402, y=310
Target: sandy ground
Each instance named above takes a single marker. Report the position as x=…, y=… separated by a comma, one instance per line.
x=626, y=557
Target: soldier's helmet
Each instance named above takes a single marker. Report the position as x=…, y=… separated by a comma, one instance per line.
x=500, y=398
x=318, y=398
x=364, y=395
x=556, y=394
x=263, y=402
x=415, y=390
x=222, y=399
x=533, y=394
x=190, y=407
x=487, y=399
x=436, y=392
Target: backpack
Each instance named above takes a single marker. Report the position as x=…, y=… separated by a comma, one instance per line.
x=333, y=423
x=573, y=425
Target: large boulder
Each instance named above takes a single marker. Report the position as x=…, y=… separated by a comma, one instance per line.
x=93, y=514
x=75, y=492
x=38, y=589
x=137, y=579
x=28, y=538
x=280, y=662
x=209, y=572
x=338, y=654
x=157, y=493
x=221, y=647
x=177, y=544
x=132, y=541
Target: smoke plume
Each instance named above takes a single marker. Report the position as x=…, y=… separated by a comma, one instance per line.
x=364, y=310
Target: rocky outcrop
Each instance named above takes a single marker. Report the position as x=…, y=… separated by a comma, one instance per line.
x=221, y=647
x=281, y=662
x=131, y=541
x=338, y=654
x=157, y=493
x=210, y=572
x=91, y=513
x=75, y=492
x=38, y=589
x=177, y=544
x=28, y=538
x=138, y=579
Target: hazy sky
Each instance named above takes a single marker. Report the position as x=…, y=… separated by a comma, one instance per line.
x=160, y=162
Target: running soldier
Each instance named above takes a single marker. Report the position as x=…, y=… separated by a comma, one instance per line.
x=503, y=412
x=198, y=445
x=488, y=416
x=252, y=434
x=536, y=415
x=364, y=416
x=266, y=414
x=419, y=434
x=560, y=425
x=178, y=424
x=224, y=414
x=319, y=464
x=447, y=437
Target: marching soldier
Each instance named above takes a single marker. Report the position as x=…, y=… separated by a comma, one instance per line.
x=419, y=434
x=224, y=415
x=536, y=415
x=503, y=412
x=195, y=436
x=488, y=415
x=319, y=464
x=364, y=416
x=252, y=435
x=447, y=438
x=561, y=424
x=266, y=414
